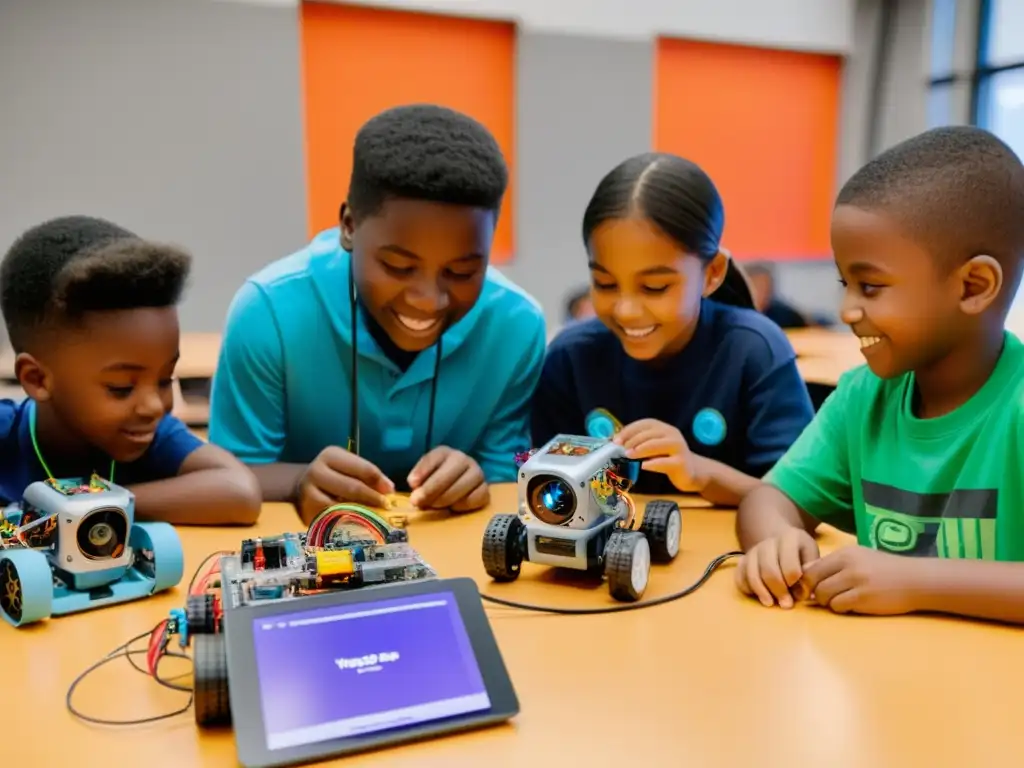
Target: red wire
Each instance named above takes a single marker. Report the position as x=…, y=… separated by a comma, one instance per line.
x=156, y=649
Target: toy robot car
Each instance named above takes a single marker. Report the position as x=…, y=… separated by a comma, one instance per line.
x=575, y=512
x=72, y=545
x=347, y=546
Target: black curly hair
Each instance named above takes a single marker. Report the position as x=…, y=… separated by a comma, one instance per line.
x=956, y=190
x=425, y=152
x=59, y=270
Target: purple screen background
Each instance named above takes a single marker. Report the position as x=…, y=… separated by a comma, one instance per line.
x=301, y=685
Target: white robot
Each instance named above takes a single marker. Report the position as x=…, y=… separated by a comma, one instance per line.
x=575, y=512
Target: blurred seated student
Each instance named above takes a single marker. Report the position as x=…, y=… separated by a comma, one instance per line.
x=706, y=387
x=387, y=355
x=91, y=311
x=578, y=305
x=917, y=453
x=766, y=301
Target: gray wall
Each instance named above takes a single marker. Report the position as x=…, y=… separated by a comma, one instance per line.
x=179, y=119
x=182, y=119
x=584, y=104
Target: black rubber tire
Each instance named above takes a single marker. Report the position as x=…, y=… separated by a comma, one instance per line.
x=662, y=520
x=502, y=549
x=199, y=615
x=618, y=559
x=211, y=703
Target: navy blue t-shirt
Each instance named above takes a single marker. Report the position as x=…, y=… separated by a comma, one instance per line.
x=19, y=466
x=734, y=392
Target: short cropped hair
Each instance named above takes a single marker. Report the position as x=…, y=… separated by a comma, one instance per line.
x=957, y=190
x=425, y=152
x=64, y=268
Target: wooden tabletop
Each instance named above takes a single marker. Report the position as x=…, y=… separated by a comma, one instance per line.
x=824, y=354
x=198, y=359
x=710, y=681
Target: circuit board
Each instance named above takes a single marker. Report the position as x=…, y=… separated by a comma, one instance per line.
x=346, y=547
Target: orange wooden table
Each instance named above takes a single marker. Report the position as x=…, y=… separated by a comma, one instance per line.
x=823, y=355
x=710, y=681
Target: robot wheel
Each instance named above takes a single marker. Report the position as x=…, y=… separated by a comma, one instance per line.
x=503, y=547
x=159, y=555
x=627, y=558
x=200, y=615
x=210, y=681
x=662, y=525
x=26, y=586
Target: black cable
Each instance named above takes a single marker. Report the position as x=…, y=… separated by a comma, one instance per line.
x=125, y=651
x=711, y=568
x=433, y=395
x=202, y=567
x=354, y=343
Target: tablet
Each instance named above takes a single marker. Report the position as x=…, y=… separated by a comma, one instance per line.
x=348, y=671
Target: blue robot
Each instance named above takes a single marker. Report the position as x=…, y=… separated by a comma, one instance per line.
x=72, y=545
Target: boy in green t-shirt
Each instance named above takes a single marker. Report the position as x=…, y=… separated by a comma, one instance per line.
x=920, y=452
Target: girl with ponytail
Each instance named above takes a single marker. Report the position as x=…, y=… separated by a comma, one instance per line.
x=677, y=364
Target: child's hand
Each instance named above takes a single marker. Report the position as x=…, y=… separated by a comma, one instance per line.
x=663, y=449
x=448, y=479
x=858, y=579
x=337, y=475
x=772, y=570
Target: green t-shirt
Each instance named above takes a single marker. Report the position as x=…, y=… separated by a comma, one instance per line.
x=948, y=487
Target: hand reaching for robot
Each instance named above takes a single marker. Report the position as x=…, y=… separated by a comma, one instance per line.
x=337, y=475
x=448, y=479
x=662, y=448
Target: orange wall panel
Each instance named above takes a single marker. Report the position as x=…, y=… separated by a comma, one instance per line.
x=358, y=61
x=764, y=124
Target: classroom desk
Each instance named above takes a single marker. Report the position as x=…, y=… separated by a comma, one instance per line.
x=823, y=354
x=198, y=357
x=710, y=681
x=195, y=368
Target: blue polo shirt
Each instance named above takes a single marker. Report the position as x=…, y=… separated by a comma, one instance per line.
x=734, y=392
x=283, y=387
x=19, y=466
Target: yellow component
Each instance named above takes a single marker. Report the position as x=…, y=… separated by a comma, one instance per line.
x=398, y=521
x=335, y=563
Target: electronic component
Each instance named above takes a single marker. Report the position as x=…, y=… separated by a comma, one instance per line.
x=575, y=512
x=347, y=546
x=73, y=545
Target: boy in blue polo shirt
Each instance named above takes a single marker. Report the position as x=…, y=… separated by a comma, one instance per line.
x=918, y=453
x=91, y=312
x=387, y=355
x=706, y=387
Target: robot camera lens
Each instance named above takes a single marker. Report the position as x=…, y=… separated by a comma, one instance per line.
x=102, y=534
x=552, y=500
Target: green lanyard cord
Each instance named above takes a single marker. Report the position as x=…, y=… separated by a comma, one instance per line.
x=39, y=453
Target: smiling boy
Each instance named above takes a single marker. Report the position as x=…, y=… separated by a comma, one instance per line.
x=91, y=312
x=387, y=354
x=919, y=452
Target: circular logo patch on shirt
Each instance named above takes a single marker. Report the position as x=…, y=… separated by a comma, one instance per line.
x=601, y=424
x=709, y=426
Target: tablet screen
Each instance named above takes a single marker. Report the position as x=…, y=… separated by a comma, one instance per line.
x=357, y=669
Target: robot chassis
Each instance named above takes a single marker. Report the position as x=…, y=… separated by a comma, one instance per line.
x=72, y=545
x=347, y=546
x=575, y=512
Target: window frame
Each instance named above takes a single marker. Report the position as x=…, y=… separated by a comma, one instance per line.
x=981, y=82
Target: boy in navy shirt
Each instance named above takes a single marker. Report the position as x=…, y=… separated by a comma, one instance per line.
x=707, y=388
x=91, y=313
x=387, y=354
